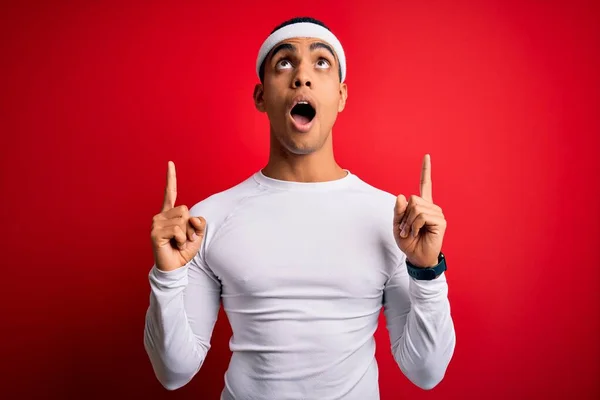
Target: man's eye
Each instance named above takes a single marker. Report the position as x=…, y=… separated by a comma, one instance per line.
x=283, y=64
x=323, y=63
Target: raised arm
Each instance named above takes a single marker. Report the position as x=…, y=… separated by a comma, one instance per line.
x=184, y=293
x=417, y=310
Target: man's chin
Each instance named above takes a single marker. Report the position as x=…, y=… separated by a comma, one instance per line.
x=299, y=145
x=299, y=149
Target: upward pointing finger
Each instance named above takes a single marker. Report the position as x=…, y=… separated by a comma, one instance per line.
x=426, y=192
x=171, y=188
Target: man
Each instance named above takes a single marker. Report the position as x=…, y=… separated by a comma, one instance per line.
x=303, y=254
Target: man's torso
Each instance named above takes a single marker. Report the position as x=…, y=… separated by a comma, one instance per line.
x=302, y=275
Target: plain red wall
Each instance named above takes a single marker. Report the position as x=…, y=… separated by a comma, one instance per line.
x=97, y=97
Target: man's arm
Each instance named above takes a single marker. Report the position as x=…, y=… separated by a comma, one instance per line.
x=184, y=304
x=420, y=326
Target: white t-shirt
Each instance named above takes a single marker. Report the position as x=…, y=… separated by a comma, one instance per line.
x=303, y=270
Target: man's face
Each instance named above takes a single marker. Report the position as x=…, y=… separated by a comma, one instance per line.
x=301, y=93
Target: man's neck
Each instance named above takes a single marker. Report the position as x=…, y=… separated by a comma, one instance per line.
x=319, y=166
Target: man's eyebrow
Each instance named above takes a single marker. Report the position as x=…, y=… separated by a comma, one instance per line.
x=281, y=47
x=320, y=45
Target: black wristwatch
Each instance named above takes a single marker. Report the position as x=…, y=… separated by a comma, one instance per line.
x=427, y=274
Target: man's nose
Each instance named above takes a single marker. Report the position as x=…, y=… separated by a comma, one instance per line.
x=302, y=77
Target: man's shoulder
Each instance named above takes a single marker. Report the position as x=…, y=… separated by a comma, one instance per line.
x=219, y=204
x=373, y=193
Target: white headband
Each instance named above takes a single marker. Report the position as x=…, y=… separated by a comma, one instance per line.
x=302, y=29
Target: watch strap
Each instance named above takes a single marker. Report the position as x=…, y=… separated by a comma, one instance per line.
x=427, y=274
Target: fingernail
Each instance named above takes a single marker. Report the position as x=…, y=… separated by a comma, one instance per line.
x=403, y=233
x=402, y=226
x=194, y=236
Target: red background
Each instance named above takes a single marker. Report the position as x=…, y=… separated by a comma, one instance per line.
x=97, y=97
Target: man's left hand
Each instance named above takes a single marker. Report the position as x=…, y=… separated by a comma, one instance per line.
x=419, y=224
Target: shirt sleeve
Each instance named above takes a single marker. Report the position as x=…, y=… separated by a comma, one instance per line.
x=420, y=326
x=184, y=305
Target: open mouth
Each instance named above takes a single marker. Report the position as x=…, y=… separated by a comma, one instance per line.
x=303, y=113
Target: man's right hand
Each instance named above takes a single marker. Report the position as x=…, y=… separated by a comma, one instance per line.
x=176, y=238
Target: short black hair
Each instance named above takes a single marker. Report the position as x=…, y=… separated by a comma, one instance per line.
x=289, y=22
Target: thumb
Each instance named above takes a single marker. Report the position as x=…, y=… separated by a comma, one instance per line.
x=199, y=225
x=400, y=208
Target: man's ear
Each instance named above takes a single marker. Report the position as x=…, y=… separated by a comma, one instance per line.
x=259, y=100
x=343, y=97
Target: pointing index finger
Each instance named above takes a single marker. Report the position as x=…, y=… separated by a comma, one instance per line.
x=171, y=188
x=426, y=192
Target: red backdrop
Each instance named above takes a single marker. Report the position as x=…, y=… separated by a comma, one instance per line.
x=97, y=97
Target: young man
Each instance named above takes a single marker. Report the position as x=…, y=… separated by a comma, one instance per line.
x=303, y=254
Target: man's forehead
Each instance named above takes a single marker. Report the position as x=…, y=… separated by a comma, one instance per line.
x=293, y=44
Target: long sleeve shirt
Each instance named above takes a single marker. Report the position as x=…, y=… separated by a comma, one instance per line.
x=303, y=271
